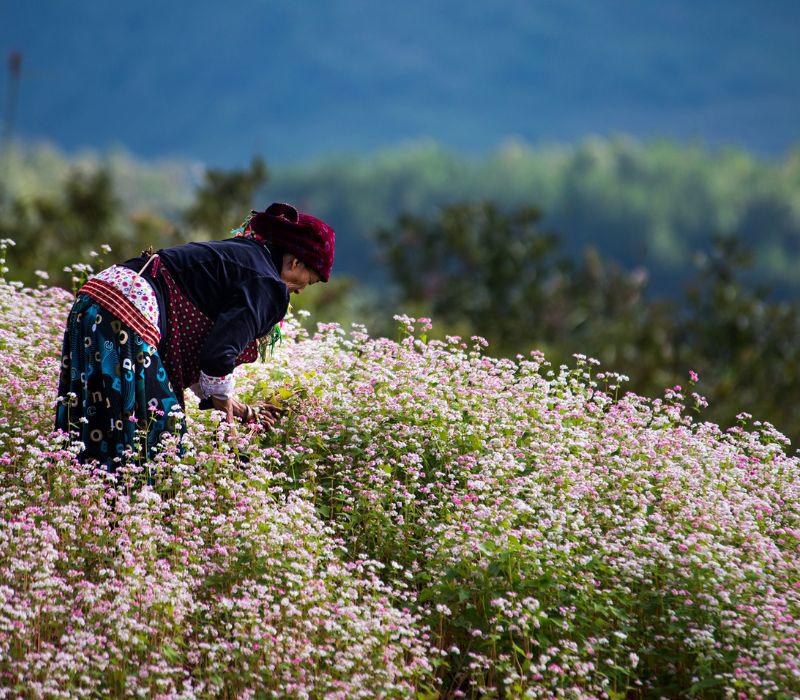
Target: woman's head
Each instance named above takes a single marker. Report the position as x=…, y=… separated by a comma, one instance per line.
x=296, y=274
x=307, y=240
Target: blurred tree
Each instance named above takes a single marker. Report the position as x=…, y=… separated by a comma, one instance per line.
x=641, y=204
x=605, y=313
x=506, y=279
x=744, y=343
x=54, y=231
x=648, y=203
x=223, y=199
x=476, y=263
x=476, y=268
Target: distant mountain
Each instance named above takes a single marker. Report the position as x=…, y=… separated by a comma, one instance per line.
x=293, y=80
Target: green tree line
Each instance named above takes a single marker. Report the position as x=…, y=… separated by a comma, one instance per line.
x=502, y=270
x=650, y=204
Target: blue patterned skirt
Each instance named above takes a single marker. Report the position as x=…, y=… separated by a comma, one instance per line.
x=113, y=390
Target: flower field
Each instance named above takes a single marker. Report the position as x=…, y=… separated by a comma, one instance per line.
x=425, y=521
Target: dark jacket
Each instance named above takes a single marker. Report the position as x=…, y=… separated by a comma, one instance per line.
x=235, y=282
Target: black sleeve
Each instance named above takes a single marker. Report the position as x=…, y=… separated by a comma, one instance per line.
x=258, y=305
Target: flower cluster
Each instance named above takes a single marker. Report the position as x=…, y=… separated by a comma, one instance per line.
x=211, y=581
x=425, y=520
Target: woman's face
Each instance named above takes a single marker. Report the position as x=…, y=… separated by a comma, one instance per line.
x=296, y=275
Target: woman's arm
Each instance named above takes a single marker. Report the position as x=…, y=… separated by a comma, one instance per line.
x=259, y=303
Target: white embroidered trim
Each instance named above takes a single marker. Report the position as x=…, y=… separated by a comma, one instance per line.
x=221, y=387
x=136, y=289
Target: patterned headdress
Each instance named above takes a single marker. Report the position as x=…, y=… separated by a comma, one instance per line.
x=304, y=236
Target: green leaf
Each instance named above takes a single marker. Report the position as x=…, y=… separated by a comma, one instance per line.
x=170, y=653
x=704, y=684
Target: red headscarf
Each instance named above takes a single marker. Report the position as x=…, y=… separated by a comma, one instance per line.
x=309, y=239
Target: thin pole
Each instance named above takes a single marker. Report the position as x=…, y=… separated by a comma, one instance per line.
x=12, y=95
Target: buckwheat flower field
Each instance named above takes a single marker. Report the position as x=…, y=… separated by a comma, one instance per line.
x=425, y=521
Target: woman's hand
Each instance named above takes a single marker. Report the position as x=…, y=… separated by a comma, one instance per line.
x=233, y=408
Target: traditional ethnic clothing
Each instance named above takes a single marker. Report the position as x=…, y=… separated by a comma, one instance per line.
x=234, y=283
x=141, y=332
x=112, y=385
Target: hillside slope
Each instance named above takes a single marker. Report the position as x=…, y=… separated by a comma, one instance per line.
x=425, y=519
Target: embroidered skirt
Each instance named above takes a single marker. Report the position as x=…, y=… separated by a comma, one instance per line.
x=113, y=388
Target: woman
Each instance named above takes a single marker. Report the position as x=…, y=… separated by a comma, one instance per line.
x=141, y=332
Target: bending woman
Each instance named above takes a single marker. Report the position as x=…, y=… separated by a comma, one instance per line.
x=141, y=332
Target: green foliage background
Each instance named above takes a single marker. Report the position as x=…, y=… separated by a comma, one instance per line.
x=655, y=257
x=652, y=204
x=649, y=203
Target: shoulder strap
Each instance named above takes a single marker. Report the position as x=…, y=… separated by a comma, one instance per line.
x=149, y=260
